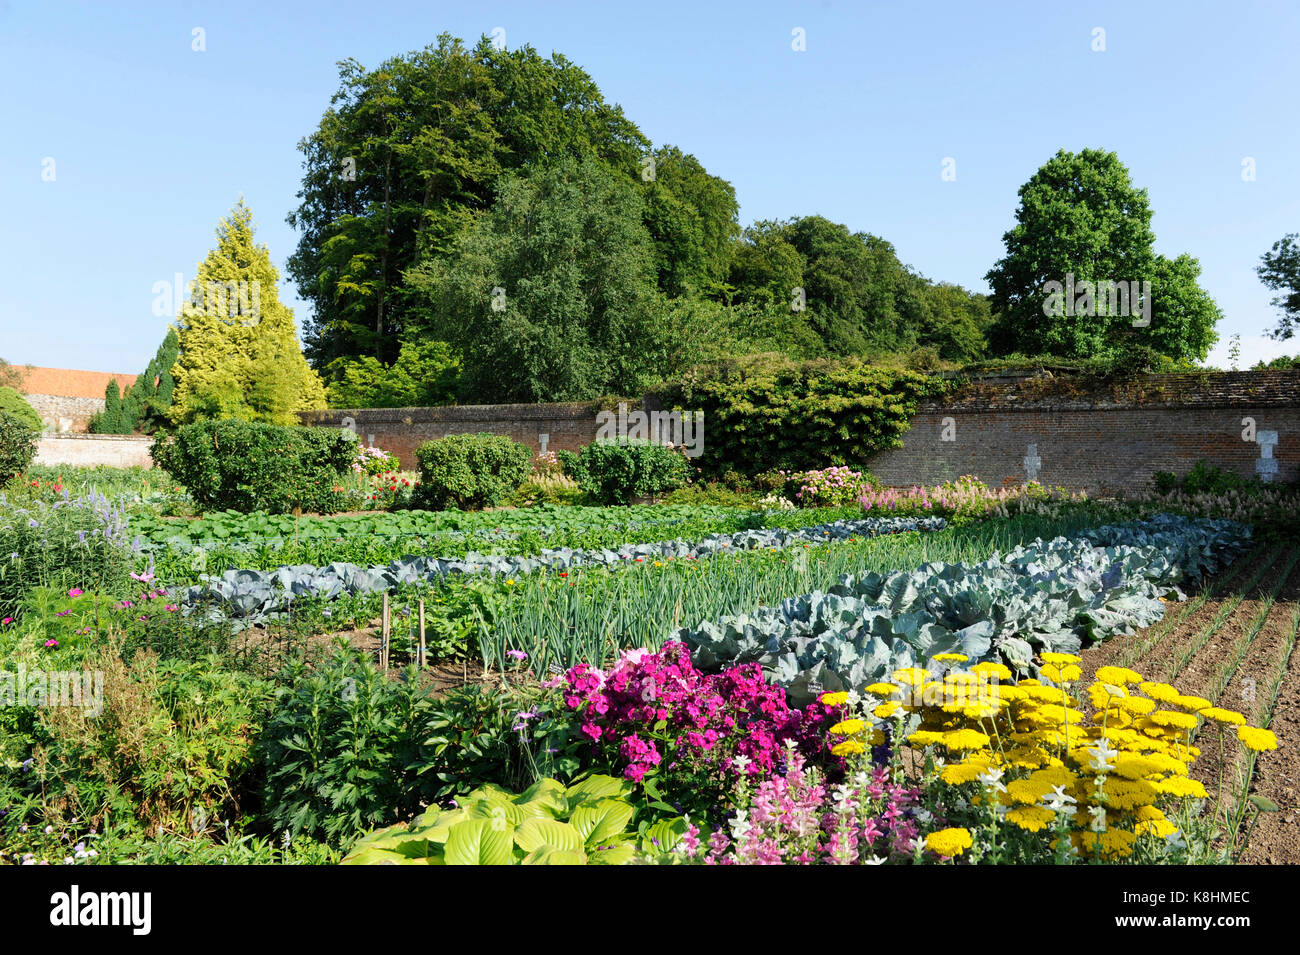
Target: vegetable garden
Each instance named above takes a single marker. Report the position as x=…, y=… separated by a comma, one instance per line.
x=940, y=675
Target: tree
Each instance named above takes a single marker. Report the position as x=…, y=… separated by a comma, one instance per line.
x=551, y=295
x=691, y=217
x=1279, y=270
x=425, y=374
x=145, y=405
x=239, y=355
x=1081, y=222
x=409, y=154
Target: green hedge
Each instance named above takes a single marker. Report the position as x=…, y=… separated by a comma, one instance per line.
x=15, y=404
x=768, y=412
x=258, y=467
x=470, y=471
x=17, y=447
x=619, y=473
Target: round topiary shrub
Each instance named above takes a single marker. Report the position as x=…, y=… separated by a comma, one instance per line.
x=17, y=447
x=470, y=471
x=618, y=473
x=14, y=403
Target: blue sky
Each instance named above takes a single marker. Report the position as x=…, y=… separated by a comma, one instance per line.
x=152, y=141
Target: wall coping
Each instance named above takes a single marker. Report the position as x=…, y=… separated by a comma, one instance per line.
x=85, y=436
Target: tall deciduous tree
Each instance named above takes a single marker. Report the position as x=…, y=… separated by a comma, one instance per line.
x=1080, y=222
x=239, y=355
x=1279, y=270
x=408, y=154
x=551, y=295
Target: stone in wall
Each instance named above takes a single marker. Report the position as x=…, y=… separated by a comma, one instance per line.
x=60, y=413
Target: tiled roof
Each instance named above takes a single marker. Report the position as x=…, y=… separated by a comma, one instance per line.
x=69, y=383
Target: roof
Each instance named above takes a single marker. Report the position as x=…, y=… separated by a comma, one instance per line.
x=69, y=383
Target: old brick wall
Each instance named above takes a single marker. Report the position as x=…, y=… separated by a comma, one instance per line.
x=1101, y=439
x=60, y=413
x=401, y=430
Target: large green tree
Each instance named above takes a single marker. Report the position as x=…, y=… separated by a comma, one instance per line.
x=551, y=294
x=1279, y=270
x=1080, y=222
x=239, y=355
x=409, y=154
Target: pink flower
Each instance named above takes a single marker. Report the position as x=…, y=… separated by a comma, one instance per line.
x=75, y=592
x=6, y=621
x=51, y=643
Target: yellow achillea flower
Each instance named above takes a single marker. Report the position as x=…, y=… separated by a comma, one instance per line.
x=949, y=842
x=965, y=739
x=1223, y=716
x=1118, y=675
x=979, y=711
x=1117, y=718
x=999, y=670
x=1137, y=705
x=1060, y=658
x=965, y=772
x=1132, y=766
x=1112, y=842
x=835, y=699
x=882, y=689
x=1118, y=793
x=885, y=710
x=1026, y=791
x=912, y=676
x=1051, y=713
x=1102, y=694
x=1160, y=691
x=925, y=738
x=1053, y=776
x=960, y=677
x=1032, y=818
x=847, y=748
x=1257, y=739
x=1160, y=828
x=1062, y=674
x=1182, y=787
x=1194, y=703
x=848, y=727
x=1172, y=720
x=953, y=657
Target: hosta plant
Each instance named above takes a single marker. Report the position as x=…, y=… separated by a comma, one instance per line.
x=547, y=824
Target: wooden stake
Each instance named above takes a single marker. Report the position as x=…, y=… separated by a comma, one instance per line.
x=383, y=639
x=419, y=657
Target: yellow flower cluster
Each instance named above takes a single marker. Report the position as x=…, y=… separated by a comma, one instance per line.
x=1035, y=750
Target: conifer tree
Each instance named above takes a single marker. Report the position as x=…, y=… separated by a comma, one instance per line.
x=239, y=355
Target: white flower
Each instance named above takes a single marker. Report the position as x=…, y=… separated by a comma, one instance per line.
x=1059, y=801
x=1102, y=757
x=1098, y=814
x=741, y=762
x=991, y=778
x=923, y=816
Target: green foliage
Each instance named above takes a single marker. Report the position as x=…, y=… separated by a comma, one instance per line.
x=691, y=217
x=17, y=446
x=590, y=822
x=168, y=747
x=81, y=542
x=1279, y=270
x=335, y=747
x=1080, y=215
x=858, y=298
x=767, y=412
x=425, y=374
x=238, y=349
x=1281, y=362
x=12, y=402
x=620, y=472
x=1203, y=478
x=550, y=295
x=428, y=135
x=470, y=471
x=249, y=467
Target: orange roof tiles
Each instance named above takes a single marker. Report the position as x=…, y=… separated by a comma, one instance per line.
x=69, y=383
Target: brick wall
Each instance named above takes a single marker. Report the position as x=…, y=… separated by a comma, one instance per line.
x=401, y=430
x=112, y=450
x=1102, y=439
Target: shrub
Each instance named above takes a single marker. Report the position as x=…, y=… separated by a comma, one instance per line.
x=14, y=403
x=17, y=447
x=619, y=473
x=248, y=467
x=832, y=487
x=768, y=412
x=470, y=471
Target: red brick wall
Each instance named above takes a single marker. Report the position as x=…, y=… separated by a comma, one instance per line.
x=1107, y=440
x=401, y=430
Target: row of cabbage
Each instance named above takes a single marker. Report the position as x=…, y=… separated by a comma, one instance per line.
x=1045, y=596
x=255, y=596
